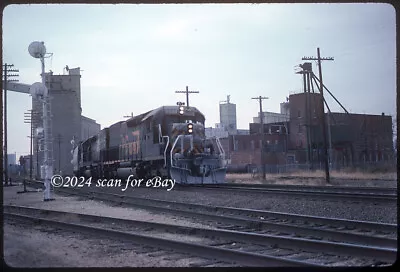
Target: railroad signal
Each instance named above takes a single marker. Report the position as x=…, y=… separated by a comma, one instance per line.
x=190, y=128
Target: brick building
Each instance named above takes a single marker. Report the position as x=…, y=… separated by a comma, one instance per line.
x=354, y=138
x=244, y=151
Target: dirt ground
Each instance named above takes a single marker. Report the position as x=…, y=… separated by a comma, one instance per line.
x=27, y=245
x=31, y=247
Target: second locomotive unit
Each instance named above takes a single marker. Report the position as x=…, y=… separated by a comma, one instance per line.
x=168, y=142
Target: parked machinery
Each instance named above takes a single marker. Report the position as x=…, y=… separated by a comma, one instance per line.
x=167, y=142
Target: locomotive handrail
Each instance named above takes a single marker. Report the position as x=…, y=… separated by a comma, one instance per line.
x=173, y=146
x=221, y=150
x=165, y=151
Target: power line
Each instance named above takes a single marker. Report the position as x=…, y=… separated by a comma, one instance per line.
x=187, y=92
x=30, y=114
x=321, y=90
x=7, y=68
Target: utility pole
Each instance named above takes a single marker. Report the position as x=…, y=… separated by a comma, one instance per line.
x=260, y=99
x=59, y=140
x=309, y=119
x=37, y=158
x=7, y=68
x=187, y=92
x=321, y=90
x=29, y=119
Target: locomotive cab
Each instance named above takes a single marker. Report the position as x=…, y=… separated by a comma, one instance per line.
x=194, y=159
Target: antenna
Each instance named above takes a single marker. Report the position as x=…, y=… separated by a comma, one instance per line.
x=227, y=99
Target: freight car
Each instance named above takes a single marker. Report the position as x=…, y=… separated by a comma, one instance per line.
x=167, y=142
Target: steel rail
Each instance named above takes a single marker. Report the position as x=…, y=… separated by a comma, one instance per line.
x=244, y=258
x=299, y=190
x=335, y=188
x=304, y=193
x=387, y=254
x=335, y=222
x=170, y=206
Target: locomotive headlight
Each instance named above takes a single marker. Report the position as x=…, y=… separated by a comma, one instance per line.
x=181, y=110
x=190, y=128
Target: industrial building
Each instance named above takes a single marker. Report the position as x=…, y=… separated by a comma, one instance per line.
x=227, y=115
x=219, y=131
x=273, y=117
x=67, y=121
x=11, y=158
x=89, y=128
x=228, y=121
x=294, y=136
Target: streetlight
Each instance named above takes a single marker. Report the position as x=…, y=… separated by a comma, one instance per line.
x=38, y=50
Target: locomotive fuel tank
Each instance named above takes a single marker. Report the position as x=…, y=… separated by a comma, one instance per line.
x=125, y=172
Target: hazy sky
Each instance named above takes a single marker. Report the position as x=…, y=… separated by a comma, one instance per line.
x=134, y=57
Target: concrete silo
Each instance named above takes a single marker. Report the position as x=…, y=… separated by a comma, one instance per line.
x=227, y=115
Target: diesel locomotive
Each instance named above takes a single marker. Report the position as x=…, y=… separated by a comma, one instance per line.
x=167, y=142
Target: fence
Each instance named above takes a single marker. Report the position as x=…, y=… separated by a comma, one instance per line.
x=296, y=167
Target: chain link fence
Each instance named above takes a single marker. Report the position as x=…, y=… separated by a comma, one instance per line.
x=367, y=167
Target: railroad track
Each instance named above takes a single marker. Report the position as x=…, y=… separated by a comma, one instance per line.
x=217, y=246
x=336, y=193
x=283, y=225
x=335, y=229
x=316, y=188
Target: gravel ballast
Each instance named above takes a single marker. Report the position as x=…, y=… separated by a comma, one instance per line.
x=69, y=251
x=348, y=209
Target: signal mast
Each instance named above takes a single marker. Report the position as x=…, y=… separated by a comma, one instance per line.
x=39, y=90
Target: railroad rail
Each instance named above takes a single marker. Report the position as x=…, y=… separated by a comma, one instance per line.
x=248, y=249
x=284, y=224
x=320, y=192
x=332, y=188
x=334, y=228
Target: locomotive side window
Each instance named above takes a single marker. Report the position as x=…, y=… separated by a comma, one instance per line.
x=148, y=126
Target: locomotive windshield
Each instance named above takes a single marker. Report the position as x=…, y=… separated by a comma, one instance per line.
x=186, y=119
